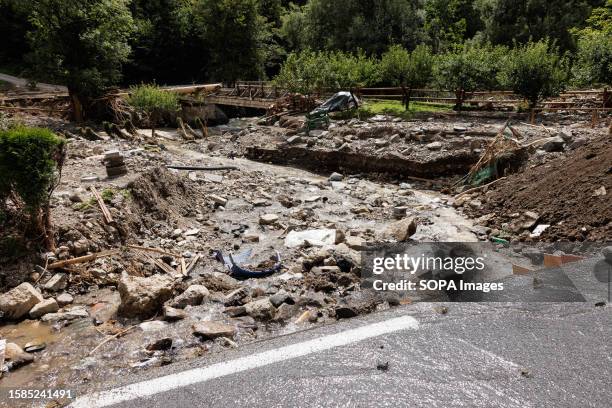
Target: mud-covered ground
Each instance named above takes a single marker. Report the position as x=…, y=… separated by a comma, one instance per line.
x=393, y=180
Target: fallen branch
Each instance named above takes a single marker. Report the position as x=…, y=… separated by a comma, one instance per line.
x=182, y=129
x=203, y=168
x=106, y=340
x=193, y=263
x=183, y=267
x=471, y=190
x=161, y=265
x=81, y=259
x=107, y=215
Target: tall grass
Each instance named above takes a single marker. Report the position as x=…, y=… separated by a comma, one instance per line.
x=150, y=98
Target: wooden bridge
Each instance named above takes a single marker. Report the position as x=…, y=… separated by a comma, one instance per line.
x=247, y=94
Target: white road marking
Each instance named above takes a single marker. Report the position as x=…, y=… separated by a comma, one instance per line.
x=494, y=356
x=198, y=375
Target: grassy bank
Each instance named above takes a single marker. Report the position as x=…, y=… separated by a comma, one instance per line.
x=374, y=107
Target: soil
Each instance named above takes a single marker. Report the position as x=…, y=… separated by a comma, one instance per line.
x=562, y=193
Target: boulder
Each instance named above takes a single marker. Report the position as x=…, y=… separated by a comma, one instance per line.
x=171, y=314
x=57, y=282
x=434, y=146
x=209, y=330
x=280, y=297
x=286, y=311
x=17, y=302
x=44, y=307
x=355, y=304
x=318, y=237
x=402, y=230
x=336, y=177
x=64, y=299
x=77, y=312
x=260, y=309
x=268, y=219
x=193, y=296
x=218, y=281
x=143, y=296
x=554, y=144
x=356, y=243
x=236, y=297
x=15, y=356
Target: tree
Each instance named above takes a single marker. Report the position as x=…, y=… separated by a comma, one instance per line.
x=449, y=22
x=509, y=21
x=309, y=72
x=165, y=37
x=535, y=71
x=80, y=43
x=468, y=68
x=593, y=59
x=293, y=27
x=14, y=26
x=233, y=33
x=398, y=67
x=368, y=25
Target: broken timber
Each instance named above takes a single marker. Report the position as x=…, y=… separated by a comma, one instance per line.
x=107, y=215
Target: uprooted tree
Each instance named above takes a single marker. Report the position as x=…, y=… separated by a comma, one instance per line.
x=31, y=160
x=80, y=43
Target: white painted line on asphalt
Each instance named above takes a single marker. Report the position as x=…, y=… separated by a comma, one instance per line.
x=198, y=375
x=494, y=356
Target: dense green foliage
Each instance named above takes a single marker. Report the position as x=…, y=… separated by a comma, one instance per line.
x=535, y=71
x=93, y=44
x=29, y=160
x=314, y=71
x=470, y=67
x=80, y=43
x=593, y=63
x=232, y=33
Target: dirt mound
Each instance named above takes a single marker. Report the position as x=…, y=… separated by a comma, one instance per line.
x=162, y=196
x=566, y=193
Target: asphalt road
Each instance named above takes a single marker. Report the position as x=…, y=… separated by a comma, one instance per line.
x=476, y=355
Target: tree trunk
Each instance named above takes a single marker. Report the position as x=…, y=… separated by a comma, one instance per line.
x=460, y=95
x=408, y=99
x=77, y=106
x=48, y=228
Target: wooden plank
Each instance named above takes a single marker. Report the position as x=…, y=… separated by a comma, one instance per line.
x=81, y=259
x=105, y=212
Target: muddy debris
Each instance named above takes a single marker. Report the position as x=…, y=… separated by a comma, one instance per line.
x=153, y=283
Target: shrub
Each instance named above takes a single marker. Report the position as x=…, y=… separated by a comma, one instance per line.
x=535, y=71
x=30, y=165
x=593, y=64
x=148, y=98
